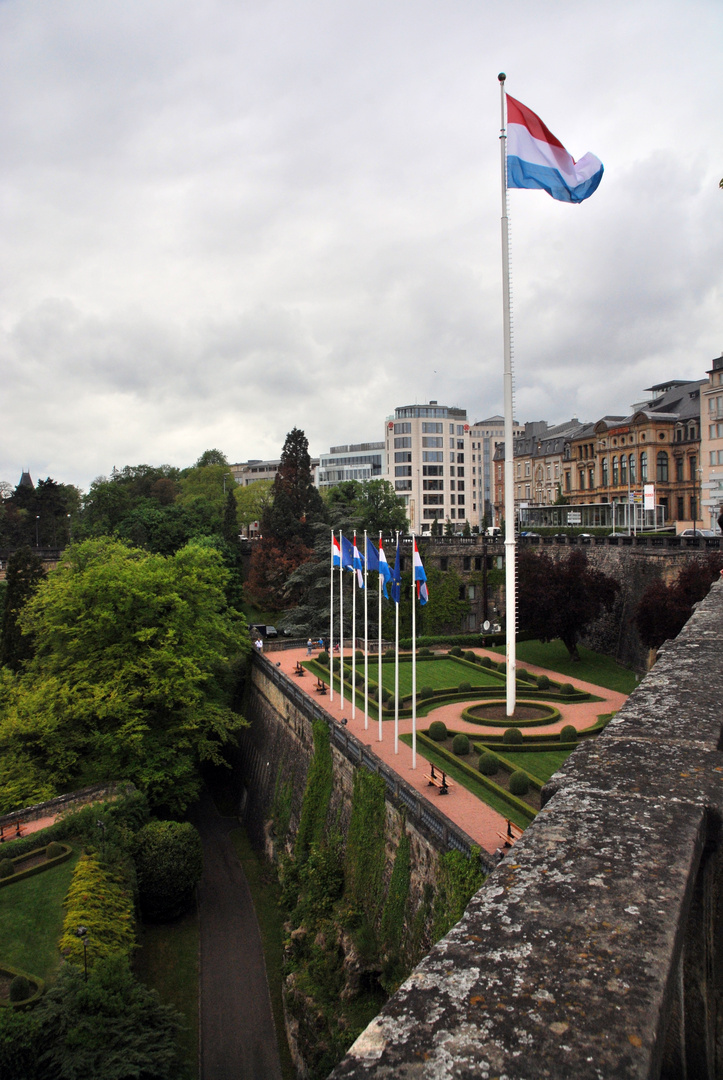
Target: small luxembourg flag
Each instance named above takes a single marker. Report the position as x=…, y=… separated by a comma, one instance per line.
x=536, y=159
x=384, y=570
x=358, y=565
x=420, y=577
x=335, y=553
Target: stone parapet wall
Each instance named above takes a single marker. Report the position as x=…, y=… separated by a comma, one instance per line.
x=594, y=949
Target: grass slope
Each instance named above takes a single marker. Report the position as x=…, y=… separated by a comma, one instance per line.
x=593, y=667
x=438, y=674
x=31, y=920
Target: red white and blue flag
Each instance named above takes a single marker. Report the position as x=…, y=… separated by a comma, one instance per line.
x=420, y=577
x=537, y=159
x=384, y=570
x=335, y=553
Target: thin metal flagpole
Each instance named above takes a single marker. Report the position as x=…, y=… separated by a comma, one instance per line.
x=366, y=635
x=353, y=635
x=414, y=657
x=396, y=661
x=379, y=666
x=510, y=576
x=341, y=622
x=331, y=622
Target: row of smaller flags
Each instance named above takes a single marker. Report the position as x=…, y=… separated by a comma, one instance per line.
x=346, y=555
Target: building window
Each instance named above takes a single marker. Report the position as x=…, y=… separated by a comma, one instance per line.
x=402, y=442
x=679, y=469
x=582, y=480
x=661, y=471
x=402, y=455
x=604, y=472
x=693, y=465
x=433, y=470
x=402, y=485
x=633, y=475
x=567, y=481
x=403, y=470
x=623, y=469
x=681, y=508
x=644, y=466
x=432, y=429
x=432, y=455
x=616, y=476
x=430, y=440
x=402, y=429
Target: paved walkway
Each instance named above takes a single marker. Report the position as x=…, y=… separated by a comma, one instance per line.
x=238, y=1038
x=477, y=819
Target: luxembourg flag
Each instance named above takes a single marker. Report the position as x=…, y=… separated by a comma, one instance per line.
x=536, y=159
x=385, y=572
x=358, y=565
x=335, y=553
x=420, y=577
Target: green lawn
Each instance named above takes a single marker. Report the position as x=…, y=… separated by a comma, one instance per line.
x=265, y=892
x=167, y=961
x=592, y=667
x=31, y=920
x=540, y=765
x=439, y=674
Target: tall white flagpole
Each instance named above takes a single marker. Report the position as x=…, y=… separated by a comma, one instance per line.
x=396, y=662
x=366, y=636
x=379, y=671
x=331, y=623
x=414, y=660
x=341, y=621
x=510, y=575
x=353, y=636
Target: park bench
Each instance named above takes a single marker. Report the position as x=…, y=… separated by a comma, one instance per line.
x=320, y=687
x=514, y=832
x=434, y=780
x=299, y=669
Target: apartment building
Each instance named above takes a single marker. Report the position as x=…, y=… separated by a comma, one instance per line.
x=485, y=436
x=427, y=460
x=541, y=458
x=711, y=444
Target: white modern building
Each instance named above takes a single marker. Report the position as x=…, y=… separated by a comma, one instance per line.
x=355, y=461
x=485, y=436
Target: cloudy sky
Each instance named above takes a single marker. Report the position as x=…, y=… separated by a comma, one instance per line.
x=225, y=218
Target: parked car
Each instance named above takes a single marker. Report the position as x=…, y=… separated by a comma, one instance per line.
x=263, y=630
x=698, y=532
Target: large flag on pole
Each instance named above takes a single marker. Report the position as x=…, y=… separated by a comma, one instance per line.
x=335, y=553
x=420, y=577
x=347, y=553
x=397, y=576
x=372, y=557
x=358, y=565
x=537, y=159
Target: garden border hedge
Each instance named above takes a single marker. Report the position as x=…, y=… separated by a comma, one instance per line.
x=517, y=804
x=22, y=875
x=507, y=723
x=39, y=984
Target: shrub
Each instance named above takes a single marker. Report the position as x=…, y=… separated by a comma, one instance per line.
x=6, y=868
x=486, y=662
x=512, y=735
x=438, y=730
x=488, y=764
x=543, y=683
x=455, y=651
x=460, y=744
x=323, y=658
x=567, y=688
x=502, y=666
x=99, y=899
x=390, y=653
x=568, y=734
x=53, y=850
x=169, y=862
x=426, y=692
x=424, y=652
x=469, y=655
x=389, y=702
x=465, y=688
x=519, y=783
x=359, y=654
x=523, y=674
x=20, y=988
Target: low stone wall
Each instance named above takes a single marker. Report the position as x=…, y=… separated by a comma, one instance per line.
x=594, y=949
x=64, y=803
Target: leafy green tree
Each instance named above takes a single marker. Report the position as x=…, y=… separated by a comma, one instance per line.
x=24, y=574
x=137, y=662
x=560, y=599
x=252, y=501
x=230, y=519
x=212, y=457
x=169, y=862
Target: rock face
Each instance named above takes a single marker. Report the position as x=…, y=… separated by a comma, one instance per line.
x=594, y=949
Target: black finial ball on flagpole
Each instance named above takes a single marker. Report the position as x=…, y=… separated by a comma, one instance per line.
x=502, y=76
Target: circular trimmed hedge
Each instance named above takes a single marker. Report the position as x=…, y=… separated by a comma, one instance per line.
x=543, y=682
x=519, y=783
x=426, y=692
x=323, y=658
x=512, y=736
x=567, y=688
x=460, y=744
x=455, y=651
x=437, y=730
x=20, y=989
x=488, y=764
x=471, y=656
x=54, y=849
x=568, y=734
x=465, y=688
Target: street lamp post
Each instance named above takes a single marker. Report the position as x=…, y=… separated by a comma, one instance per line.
x=37, y=530
x=82, y=933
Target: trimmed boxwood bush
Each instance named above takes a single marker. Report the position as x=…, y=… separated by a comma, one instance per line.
x=424, y=652
x=6, y=868
x=568, y=734
x=502, y=666
x=20, y=989
x=438, y=730
x=567, y=688
x=426, y=692
x=455, y=651
x=359, y=654
x=465, y=688
x=488, y=764
x=169, y=861
x=543, y=683
x=512, y=735
x=53, y=850
x=519, y=783
x=469, y=655
x=486, y=662
x=523, y=673
x=324, y=658
x=460, y=744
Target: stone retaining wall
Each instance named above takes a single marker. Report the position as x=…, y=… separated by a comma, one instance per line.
x=594, y=949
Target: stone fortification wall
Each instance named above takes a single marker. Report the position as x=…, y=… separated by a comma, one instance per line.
x=594, y=949
x=276, y=750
